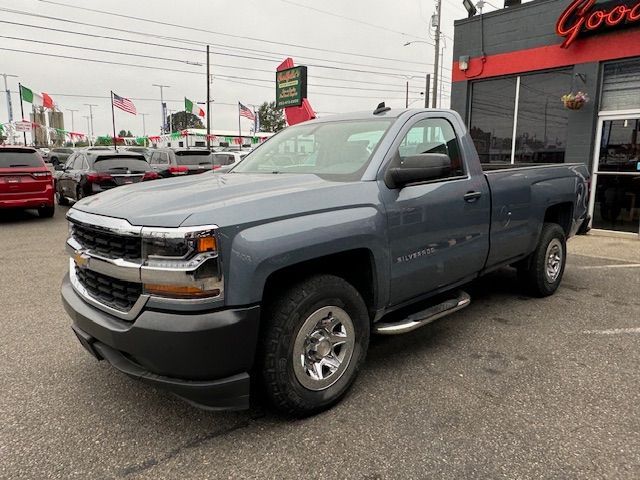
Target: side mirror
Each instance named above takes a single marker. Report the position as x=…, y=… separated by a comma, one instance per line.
x=59, y=167
x=418, y=168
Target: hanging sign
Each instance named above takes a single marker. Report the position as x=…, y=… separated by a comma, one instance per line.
x=291, y=87
x=23, y=126
x=583, y=16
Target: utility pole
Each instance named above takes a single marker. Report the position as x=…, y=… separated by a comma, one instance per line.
x=91, y=133
x=88, y=134
x=435, y=21
x=427, y=88
x=73, y=137
x=406, y=97
x=208, y=101
x=162, y=106
x=144, y=128
x=6, y=89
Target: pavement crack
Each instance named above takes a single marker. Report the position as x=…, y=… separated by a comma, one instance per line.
x=193, y=443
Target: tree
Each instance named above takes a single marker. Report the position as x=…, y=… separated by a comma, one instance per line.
x=183, y=120
x=125, y=133
x=271, y=118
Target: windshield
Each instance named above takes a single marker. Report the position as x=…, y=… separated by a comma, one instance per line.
x=340, y=150
x=194, y=158
x=62, y=150
x=12, y=159
x=121, y=164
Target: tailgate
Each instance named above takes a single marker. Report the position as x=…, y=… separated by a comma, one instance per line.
x=25, y=180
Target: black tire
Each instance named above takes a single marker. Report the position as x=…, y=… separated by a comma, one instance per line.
x=46, y=212
x=79, y=193
x=61, y=199
x=533, y=271
x=55, y=161
x=283, y=323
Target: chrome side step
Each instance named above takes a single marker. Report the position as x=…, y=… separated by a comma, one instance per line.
x=424, y=317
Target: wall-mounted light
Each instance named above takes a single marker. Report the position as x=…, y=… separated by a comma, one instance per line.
x=470, y=7
x=463, y=63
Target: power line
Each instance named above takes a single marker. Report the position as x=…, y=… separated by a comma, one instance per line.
x=351, y=19
x=91, y=35
x=192, y=28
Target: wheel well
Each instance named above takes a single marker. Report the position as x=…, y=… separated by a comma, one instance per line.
x=560, y=214
x=354, y=266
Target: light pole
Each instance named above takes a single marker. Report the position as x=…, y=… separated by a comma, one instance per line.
x=162, y=106
x=436, y=20
x=88, y=134
x=144, y=128
x=73, y=138
x=91, y=105
x=428, y=78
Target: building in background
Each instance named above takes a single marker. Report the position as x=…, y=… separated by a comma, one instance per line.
x=54, y=120
x=513, y=66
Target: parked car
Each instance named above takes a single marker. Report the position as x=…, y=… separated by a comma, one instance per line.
x=142, y=150
x=59, y=155
x=172, y=162
x=279, y=271
x=225, y=161
x=44, y=153
x=88, y=172
x=25, y=181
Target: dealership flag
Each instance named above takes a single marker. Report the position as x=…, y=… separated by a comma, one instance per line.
x=191, y=107
x=43, y=100
x=123, y=104
x=245, y=112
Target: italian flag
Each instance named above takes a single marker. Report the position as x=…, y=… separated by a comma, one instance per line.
x=191, y=107
x=43, y=100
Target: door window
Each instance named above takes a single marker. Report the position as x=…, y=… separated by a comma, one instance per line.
x=433, y=135
x=77, y=163
x=70, y=161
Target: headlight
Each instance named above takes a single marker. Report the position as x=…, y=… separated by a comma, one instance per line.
x=181, y=262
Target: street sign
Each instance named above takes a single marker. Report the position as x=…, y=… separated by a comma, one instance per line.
x=291, y=87
x=23, y=126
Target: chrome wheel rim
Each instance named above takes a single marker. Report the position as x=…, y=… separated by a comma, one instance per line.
x=323, y=348
x=553, y=260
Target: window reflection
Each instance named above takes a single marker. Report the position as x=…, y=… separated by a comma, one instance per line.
x=617, y=205
x=620, y=146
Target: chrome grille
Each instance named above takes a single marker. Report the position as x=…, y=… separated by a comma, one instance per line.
x=110, y=291
x=107, y=244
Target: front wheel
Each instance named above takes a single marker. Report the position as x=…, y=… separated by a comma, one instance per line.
x=46, y=212
x=315, y=340
x=542, y=272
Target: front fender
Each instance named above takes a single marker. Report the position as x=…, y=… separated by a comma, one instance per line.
x=259, y=251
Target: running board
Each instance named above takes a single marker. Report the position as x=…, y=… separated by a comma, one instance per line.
x=424, y=317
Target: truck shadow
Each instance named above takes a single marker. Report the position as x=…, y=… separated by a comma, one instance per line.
x=17, y=216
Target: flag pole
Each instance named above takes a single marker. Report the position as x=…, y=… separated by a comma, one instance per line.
x=208, y=102
x=24, y=134
x=113, y=120
x=239, y=128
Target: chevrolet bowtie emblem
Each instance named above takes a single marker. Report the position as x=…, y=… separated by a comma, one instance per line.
x=81, y=259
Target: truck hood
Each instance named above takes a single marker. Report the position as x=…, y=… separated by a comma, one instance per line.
x=224, y=200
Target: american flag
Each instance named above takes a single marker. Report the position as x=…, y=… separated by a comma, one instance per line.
x=124, y=104
x=245, y=112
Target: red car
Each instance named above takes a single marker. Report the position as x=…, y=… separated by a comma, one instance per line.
x=25, y=181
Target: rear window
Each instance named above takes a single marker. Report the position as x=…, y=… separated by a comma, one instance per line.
x=194, y=158
x=17, y=158
x=62, y=150
x=114, y=164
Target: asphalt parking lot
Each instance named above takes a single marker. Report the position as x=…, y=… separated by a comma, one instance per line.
x=511, y=387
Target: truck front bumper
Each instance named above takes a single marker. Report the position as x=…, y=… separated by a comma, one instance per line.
x=203, y=357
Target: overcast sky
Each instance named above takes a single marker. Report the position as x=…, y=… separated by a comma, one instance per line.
x=375, y=30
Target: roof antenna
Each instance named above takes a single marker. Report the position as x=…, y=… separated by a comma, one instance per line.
x=381, y=109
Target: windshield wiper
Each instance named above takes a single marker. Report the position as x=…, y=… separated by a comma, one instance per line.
x=18, y=165
x=204, y=163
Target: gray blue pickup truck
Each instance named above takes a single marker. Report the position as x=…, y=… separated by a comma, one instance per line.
x=275, y=274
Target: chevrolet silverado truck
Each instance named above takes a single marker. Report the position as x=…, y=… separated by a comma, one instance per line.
x=275, y=274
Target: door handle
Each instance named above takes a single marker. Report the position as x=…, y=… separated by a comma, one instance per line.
x=471, y=197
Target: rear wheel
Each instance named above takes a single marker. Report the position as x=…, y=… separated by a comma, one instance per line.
x=46, y=212
x=542, y=272
x=61, y=199
x=55, y=161
x=315, y=340
x=79, y=193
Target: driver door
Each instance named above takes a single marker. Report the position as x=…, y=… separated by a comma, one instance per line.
x=438, y=235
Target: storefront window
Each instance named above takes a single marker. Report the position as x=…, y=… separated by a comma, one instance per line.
x=617, y=205
x=541, y=125
x=620, y=86
x=492, y=109
x=620, y=146
x=541, y=133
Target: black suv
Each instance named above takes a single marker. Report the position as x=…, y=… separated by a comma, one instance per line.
x=169, y=162
x=93, y=171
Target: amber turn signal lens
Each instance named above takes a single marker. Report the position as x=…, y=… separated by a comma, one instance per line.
x=207, y=244
x=179, y=291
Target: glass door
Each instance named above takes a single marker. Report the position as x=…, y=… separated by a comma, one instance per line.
x=615, y=188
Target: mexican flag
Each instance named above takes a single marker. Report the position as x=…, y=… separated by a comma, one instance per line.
x=43, y=100
x=191, y=107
